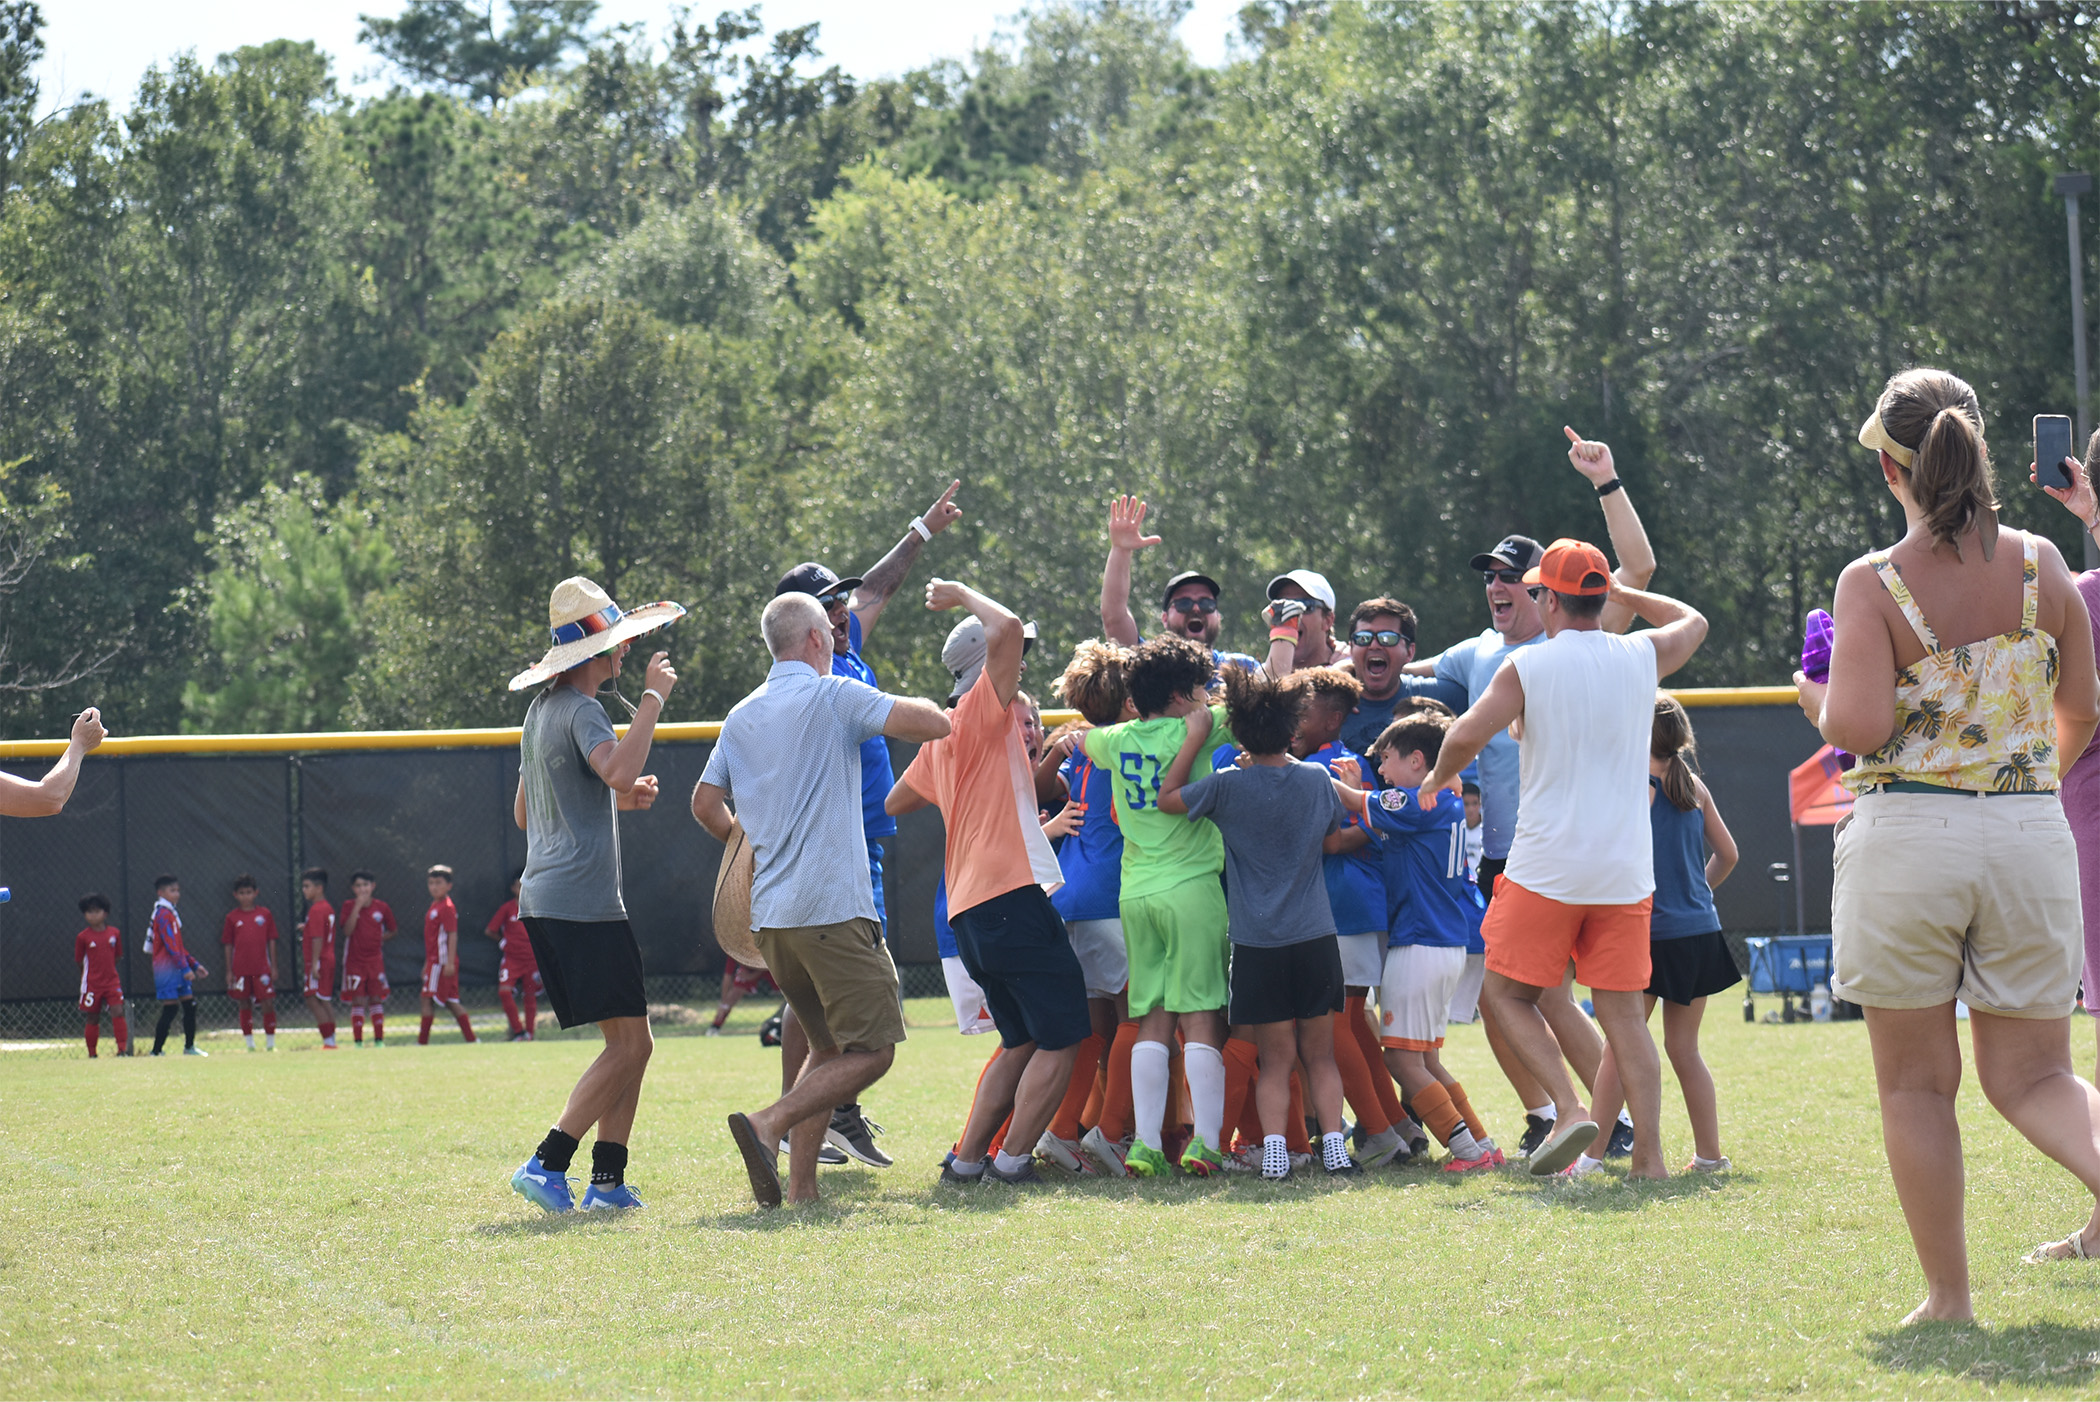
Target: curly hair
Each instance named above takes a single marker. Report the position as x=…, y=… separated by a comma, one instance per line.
x=1157, y=672
x=1262, y=711
x=1093, y=681
x=1329, y=684
x=1423, y=731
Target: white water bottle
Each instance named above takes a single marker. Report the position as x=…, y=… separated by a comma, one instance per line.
x=1819, y=1002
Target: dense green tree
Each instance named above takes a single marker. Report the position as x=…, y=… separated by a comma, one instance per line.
x=455, y=44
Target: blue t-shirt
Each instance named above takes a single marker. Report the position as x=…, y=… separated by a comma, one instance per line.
x=943, y=932
x=1425, y=860
x=1471, y=665
x=876, y=776
x=1363, y=726
x=1355, y=880
x=1684, y=903
x=1091, y=857
x=1221, y=659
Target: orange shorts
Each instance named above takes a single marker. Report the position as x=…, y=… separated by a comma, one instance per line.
x=1531, y=939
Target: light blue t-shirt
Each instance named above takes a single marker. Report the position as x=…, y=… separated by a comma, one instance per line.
x=1471, y=665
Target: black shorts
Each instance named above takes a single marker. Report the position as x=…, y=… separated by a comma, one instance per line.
x=1016, y=947
x=1287, y=982
x=592, y=969
x=1490, y=868
x=1690, y=967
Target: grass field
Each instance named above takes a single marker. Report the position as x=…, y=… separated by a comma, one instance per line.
x=311, y=1224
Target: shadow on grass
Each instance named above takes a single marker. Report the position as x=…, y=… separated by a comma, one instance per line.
x=1610, y=1193
x=2056, y=1355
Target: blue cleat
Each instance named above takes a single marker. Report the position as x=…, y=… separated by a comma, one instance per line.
x=617, y=1198
x=543, y=1187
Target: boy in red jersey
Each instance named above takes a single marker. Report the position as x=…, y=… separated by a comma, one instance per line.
x=368, y=923
x=520, y=969
x=95, y=950
x=441, y=955
x=250, y=936
x=317, y=952
x=175, y=969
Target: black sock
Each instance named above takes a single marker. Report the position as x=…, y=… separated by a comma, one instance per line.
x=556, y=1150
x=189, y=1024
x=160, y=1031
x=608, y=1164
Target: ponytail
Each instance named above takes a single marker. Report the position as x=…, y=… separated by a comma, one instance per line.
x=1672, y=740
x=1950, y=468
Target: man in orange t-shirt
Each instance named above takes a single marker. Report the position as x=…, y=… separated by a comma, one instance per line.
x=1000, y=871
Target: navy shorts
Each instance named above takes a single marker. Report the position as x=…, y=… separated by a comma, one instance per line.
x=1016, y=947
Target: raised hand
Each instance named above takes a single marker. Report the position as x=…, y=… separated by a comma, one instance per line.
x=2078, y=498
x=1283, y=613
x=944, y=594
x=1126, y=523
x=1349, y=772
x=661, y=675
x=87, y=729
x=640, y=797
x=943, y=513
x=1591, y=459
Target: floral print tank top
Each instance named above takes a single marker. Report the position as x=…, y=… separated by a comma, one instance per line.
x=1978, y=717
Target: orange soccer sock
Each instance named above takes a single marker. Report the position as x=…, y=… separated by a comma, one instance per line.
x=1116, y=1114
x=1294, y=1136
x=1357, y=1086
x=1065, y=1123
x=1091, y=1115
x=1374, y=1058
x=1433, y=1104
x=1242, y=1065
x=1466, y=1111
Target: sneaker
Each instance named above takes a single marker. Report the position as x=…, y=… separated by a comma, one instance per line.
x=1699, y=1165
x=1065, y=1153
x=854, y=1133
x=949, y=1175
x=1378, y=1150
x=1536, y=1128
x=1106, y=1154
x=1349, y=1167
x=769, y=1031
x=1455, y=1164
x=1620, y=1145
x=1023, y=1177
x=1488, y=1145
x=195, y=1051
x=1144, y=1161
x=713, y=1031
x=1247, y=1160
x=1583, y=1167
x=543, y=1187
x=1416, y=1136
x=827, y=1157
x=619, y=1197
x=515, y=1037
x=1199, y=1160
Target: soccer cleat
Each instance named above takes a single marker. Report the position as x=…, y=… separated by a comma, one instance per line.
x=1023, y=1177
x=960, y=1180
x=714, y=1031
x=543, y=1187
x=827, y=1157
x=1455, y=1164
x=1536, y=1128
x=1106, y=1154
x=854, y=1133
x=1199, y=1160
x=1488, y=1146
x=616, y=1197
x=1347, y=1168
x=1620, y=1145
x=1378, y=1150
x=1062, y=1152
x=515, y=1037
x=1246, y=1160
x=769, y=1031
x=195, y=1051
x=1144, y=1161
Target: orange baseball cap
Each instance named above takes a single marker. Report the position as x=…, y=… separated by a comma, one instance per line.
x=1572, y=567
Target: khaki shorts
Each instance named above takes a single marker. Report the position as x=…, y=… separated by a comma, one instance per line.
x=840, y=982
x=1944, y=896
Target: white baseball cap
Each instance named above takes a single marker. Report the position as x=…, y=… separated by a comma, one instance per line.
x=1312, y=583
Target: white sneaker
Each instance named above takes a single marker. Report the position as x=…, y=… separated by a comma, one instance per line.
x=1065, y=1153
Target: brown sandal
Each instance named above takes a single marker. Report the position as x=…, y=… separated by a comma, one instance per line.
x=759, y=1161
x=2071, y=1248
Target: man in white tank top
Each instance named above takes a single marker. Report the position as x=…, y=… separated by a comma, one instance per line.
x=1581, y=873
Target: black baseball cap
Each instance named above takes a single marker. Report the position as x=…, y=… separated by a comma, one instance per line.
x=1189, y=577
x=812, y=579
x=1513, y=552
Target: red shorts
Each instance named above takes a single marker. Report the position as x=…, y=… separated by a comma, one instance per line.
x=445, y=987
x=749, y=979
x=1531, y=939
x=364, y=981
x=109, y=996
x=324, y=980
x=251, y=983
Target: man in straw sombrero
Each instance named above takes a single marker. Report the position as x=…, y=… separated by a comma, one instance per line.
x=790, y=757
x=573, y=775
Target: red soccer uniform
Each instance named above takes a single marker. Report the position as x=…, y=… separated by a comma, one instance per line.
x=317, y=949
x=96, y=953
x=248, y=935
x=518, y=958
x=440, y=945
x=364, y=963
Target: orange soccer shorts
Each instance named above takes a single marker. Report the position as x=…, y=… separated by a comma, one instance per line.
x=1531, y=938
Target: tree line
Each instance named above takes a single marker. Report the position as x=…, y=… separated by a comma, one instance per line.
x=308, y=400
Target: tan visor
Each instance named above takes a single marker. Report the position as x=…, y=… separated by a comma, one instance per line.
x=1873, y=435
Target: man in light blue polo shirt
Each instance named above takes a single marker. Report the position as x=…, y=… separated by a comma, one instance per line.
x=789, y=755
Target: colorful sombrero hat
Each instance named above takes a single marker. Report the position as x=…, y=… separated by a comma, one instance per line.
x=585, y=622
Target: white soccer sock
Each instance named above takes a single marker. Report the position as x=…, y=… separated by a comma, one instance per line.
x=269, y=1041
x=1334, y=1153
x=1542, y=1112
x=1275, y=1157
x=1010, y=1163
x=1205, y=1067
x=967, y=1170
x=1148, y=1091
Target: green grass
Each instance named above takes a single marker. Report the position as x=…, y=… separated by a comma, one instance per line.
x=331, y=1224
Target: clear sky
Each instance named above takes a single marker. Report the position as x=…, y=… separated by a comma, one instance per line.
x=103, y=46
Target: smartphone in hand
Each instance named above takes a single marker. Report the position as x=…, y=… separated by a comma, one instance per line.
x=2052, y=444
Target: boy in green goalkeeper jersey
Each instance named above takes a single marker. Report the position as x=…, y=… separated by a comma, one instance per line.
x=1173, y=904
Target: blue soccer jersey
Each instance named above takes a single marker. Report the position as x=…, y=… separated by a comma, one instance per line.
x=1355, y=880
x=876, y=777
x=943, y=932
x=1092, y=855
x=1428, y=898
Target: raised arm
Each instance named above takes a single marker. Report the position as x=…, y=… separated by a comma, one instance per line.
x=2077, y=702
x=1490, y=715
x=1003, y=641
x=1629, y=540
x=916, y=719
x=1856, y=709
x=46, y=797
x=1679, y=628
x=1126, y=536
x=885, y=575
x=1177, y=775
x=1050, y=786
x=619, y=762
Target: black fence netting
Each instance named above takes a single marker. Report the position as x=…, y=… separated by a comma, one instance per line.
x=209, y=818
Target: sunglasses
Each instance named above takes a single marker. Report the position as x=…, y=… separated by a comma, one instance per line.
x=830, y=601
x=1536, y=590
x=1384, y=637
x=1206, y=604
x=1502, y=576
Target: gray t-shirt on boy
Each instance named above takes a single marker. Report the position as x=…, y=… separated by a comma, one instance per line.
x=1272, y=819
x=572, y=838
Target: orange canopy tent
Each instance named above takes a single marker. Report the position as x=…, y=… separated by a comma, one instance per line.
x=1817, y=798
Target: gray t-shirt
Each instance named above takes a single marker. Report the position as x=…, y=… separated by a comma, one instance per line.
x=572, y=837
x=1272, y=818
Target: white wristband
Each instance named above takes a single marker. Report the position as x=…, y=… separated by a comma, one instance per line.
x=918, y=523
x=649, y=691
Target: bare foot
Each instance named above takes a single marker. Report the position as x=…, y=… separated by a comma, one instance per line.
x=1945, y=1313
x=798, y=1199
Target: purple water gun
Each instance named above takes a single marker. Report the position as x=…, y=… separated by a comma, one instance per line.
x=1815, y=659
